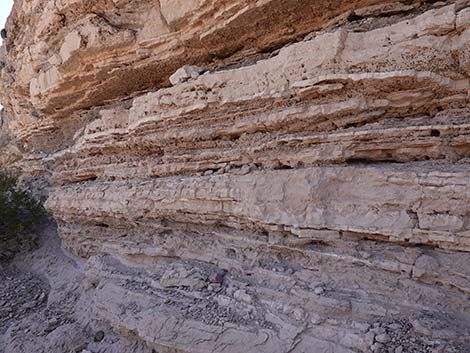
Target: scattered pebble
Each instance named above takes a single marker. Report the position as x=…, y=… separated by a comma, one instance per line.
x=383, y=338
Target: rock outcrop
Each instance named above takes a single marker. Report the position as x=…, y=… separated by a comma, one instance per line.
x=256, y=176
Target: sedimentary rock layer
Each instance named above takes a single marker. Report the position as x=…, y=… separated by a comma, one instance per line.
x=416, y=206
x=306, y=186
x=317, y=101
x=74, y=55
x=288, y=112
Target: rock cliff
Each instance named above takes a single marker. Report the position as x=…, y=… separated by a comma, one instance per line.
x=252, y=176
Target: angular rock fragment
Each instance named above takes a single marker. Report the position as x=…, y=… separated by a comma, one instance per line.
x=186, y=73
x=182, y=276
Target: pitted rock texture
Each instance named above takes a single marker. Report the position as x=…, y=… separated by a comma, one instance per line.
x=257, y=176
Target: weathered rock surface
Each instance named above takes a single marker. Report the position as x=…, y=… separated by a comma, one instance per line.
x=257, y=176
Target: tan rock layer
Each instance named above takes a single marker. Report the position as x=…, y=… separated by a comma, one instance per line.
x=99, y=51
x=293, y=109
x=416, y=206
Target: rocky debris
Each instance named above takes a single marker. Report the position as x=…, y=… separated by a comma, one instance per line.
x=400, y=336
x=240, y=304
x=267, y=300
x=21, y=293
x=39, y=310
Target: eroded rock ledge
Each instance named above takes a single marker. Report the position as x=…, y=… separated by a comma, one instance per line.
x=307, y=186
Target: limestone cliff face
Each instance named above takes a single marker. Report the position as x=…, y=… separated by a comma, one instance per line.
x=307, y=185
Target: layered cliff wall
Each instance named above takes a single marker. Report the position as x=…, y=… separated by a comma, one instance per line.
x=306, y=185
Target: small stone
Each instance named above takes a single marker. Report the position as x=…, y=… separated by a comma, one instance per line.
x=242, y=295
x=315, y=319
x=245, y=170
x=365, y=254
x=186, y=73
x=29, y=305
x=382, y=338
x=223, y=300
x=213, y=287
x=217, y=277
x=369, y=337
x=332, y=322
x=99, y=336
x=379, y=330
x=394, y=327
x=298, y=314
x=422, y=327
x=318, y=291
x=399, y=349
x=182, y=276
x=440, y=349
x=42, y=297
x=377, y=347
x=362, y=327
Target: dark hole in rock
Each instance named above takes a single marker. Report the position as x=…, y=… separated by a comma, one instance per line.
x=99, y=336
x=283, y=167
x=353, y=17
